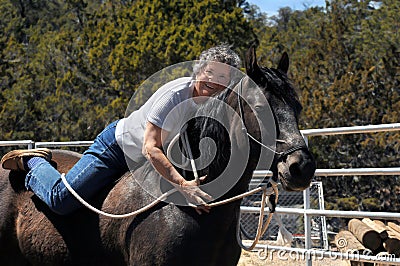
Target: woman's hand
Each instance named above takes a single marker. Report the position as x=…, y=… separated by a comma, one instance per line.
x=194, y=195
x=152, y=149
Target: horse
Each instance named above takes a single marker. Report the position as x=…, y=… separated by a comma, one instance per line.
x=167, y=233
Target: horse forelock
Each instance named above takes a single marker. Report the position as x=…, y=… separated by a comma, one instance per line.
x=279, y=84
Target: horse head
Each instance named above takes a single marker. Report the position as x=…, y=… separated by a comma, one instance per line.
x=293, y=164
x=253, y=124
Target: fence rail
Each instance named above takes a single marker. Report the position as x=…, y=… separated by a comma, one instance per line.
x=342, y=172
x=29, y=143
x=61, y=144
x=351, y=130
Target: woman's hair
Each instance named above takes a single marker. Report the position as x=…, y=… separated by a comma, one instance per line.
x=221, y=53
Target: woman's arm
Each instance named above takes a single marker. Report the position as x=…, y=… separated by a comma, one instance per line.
x=152, y=149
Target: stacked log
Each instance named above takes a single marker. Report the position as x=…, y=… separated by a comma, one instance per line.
x=369, y=237
x=345, y=241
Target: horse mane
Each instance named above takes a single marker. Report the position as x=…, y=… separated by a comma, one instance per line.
x=205, y=126
x=280, y=85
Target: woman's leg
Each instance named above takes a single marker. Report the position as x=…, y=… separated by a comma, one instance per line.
x=98, y=167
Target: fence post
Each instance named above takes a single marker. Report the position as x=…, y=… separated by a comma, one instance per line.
x=307, y=218
x=31, y=145
x=307, y=226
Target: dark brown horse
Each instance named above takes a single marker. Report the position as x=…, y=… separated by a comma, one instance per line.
x=167, y=234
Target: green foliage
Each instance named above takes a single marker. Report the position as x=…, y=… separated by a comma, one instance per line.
x=345, y=59
x=348, y=204
x=371, y=204
x=68, y=68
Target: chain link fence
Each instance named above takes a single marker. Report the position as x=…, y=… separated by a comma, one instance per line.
x=293, y=222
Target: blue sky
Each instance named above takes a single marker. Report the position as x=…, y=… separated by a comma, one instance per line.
x=271, y=7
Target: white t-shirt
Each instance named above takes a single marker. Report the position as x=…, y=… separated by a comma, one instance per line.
x=168, y=108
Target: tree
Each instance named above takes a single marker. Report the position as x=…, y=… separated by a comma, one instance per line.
x=345, y=60
x=70, y=67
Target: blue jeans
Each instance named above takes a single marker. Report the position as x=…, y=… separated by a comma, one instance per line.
x=98, y=167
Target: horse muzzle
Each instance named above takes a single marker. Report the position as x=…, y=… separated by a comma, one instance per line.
x=296, y=170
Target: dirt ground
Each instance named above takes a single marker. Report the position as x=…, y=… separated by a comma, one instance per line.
x=258, y=258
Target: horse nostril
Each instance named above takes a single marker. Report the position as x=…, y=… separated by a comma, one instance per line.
x=301, y=171
x=301, y=165
x=295, y=170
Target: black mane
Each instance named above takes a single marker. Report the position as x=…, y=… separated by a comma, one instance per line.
x=203, y=125
x=280, y=85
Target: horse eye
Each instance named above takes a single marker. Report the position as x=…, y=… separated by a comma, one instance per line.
x=259, y=108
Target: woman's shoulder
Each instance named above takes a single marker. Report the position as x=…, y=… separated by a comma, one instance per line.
x=176, y=85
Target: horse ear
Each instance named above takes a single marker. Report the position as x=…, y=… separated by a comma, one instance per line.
x=252, y=68
x=284, y=63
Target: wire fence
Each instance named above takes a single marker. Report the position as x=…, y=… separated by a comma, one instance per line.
x=293, y=222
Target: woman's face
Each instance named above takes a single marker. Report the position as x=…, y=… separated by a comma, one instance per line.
x=212, y=79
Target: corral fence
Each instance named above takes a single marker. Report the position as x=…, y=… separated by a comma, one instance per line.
x=293, y=222
x=307, y=209
x=308, y=212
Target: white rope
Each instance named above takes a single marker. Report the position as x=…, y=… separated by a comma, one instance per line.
x=188, y=150
x=262, y=227
x=110, y=215
x=159, y=199
x=263, y=145
x=192, y=162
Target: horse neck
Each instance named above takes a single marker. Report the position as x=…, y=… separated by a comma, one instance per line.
x=242, y=184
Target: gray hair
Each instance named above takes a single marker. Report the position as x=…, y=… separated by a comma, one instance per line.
x=221, y=53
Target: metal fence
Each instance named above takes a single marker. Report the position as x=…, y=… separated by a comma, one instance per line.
x=293, y=222
x=308, y=253
x=306, y=212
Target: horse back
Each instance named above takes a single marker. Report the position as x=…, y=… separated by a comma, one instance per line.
x=30, y=231
x=64, y=160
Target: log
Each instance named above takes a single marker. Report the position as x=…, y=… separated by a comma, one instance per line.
x=392, y=242
x=365, y=234
x=394, y=226
x=392, y=246
x=392, y=233
x=378, y=226
x=345, y=241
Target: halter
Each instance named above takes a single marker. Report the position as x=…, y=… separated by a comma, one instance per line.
x=281, y=155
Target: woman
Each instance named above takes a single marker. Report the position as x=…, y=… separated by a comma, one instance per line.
x=124, y=144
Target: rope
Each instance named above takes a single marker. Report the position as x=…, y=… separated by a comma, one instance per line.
x=261, y=228
x=192, y=162
x=110, y=215
x=153, y=203
x=169, y=150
